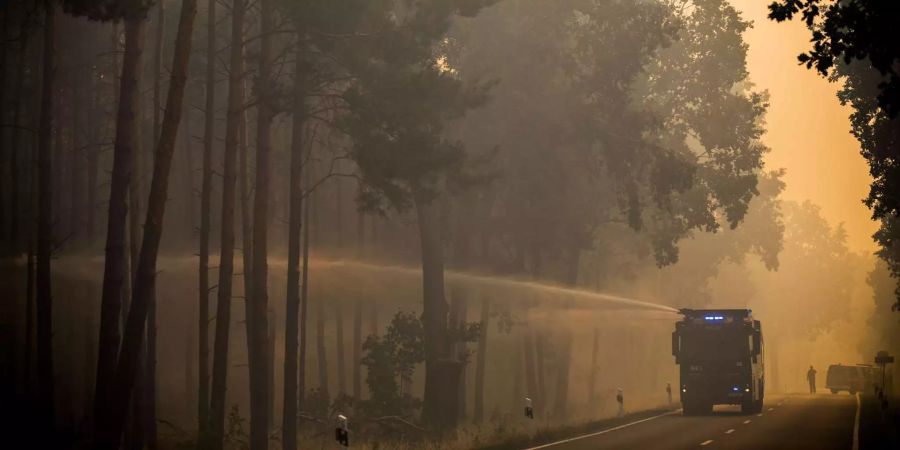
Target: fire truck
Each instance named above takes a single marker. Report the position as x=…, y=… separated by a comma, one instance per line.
x=720, y=358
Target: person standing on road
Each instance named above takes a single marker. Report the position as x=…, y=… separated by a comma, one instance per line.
x=620, y=399
x=669, y=392
x=811, y=377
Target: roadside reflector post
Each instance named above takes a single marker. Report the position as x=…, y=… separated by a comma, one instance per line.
x=342, y=432
x=529, y=411
x=883, y=359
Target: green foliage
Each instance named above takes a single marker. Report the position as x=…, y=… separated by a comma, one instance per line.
x=402, y=99
x=879, y=137
x=317, y=403
x=712, y=122
x=235, y=435
x=816, y=275
x=852, y=32
x=612, y=113
x=888, y=238
x=390, y=362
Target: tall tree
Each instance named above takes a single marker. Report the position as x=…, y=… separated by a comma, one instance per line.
x=406, y=158
x=478, y=414
x=226, y=252
x=205, y=217
x=44, y=299
x=258, y=338
x=150, y=428
x=17, y=141
x=292, y=334
x=340, y=361
x=144, y=287
x=114, y=273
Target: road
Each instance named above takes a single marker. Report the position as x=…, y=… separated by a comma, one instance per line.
x=823, y=421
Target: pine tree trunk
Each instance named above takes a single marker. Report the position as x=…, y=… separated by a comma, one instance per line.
x=150, y=428
x=144, y=285
x=5, y=212
x=115, y=270
x=295, y=224
x=322, y=356
x=189, y=360
x=76, y=168
x=44, y=300
x=304, y=298
x=339, y=347
x=357, y=349
x=93, y=159
x=226, y=260
x=30, y=276
x=259, y=380
x=461, y=353
x=481, y=360
x=592, y=380
x=270, y=370
x=442, y=371
x=539, y=344
x=17, y=142
x=562, y=379
x=88, y=363
x=205, y=219
x=246, y=229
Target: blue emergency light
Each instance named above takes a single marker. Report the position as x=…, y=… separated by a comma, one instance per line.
x=714, y=318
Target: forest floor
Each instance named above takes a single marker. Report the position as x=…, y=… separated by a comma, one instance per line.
x=543, y=435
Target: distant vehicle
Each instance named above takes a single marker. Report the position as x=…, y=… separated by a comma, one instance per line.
x=720, y=353
x=852, y=379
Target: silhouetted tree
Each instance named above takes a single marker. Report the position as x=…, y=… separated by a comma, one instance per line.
x=258, y=338
x=44, y=294
x=203, y=289
x=226, y=248
x=145, y=275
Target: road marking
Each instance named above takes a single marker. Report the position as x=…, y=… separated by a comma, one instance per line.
x=705, y=443
x=771, y=409
x=564, y=441
x=730, y=431
x=747, y=421
x=759, y=415
x=856, y=425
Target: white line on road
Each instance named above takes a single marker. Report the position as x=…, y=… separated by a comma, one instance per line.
x=605, y=431
x=856, y=425
x=730, y=431
x=705, y=443
x=771, y=409
x=759, y=415
x=747, y=421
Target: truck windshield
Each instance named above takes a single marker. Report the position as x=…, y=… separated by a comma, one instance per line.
x=715, y=344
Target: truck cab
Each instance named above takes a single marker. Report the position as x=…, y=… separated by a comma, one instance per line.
x=720, y=358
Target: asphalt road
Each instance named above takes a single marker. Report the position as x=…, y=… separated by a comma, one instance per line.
x=823, y=421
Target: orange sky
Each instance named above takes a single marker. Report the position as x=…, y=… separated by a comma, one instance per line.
x=808, y=129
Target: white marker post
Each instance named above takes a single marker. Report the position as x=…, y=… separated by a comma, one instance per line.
x=529, y=411
x=342, y=432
